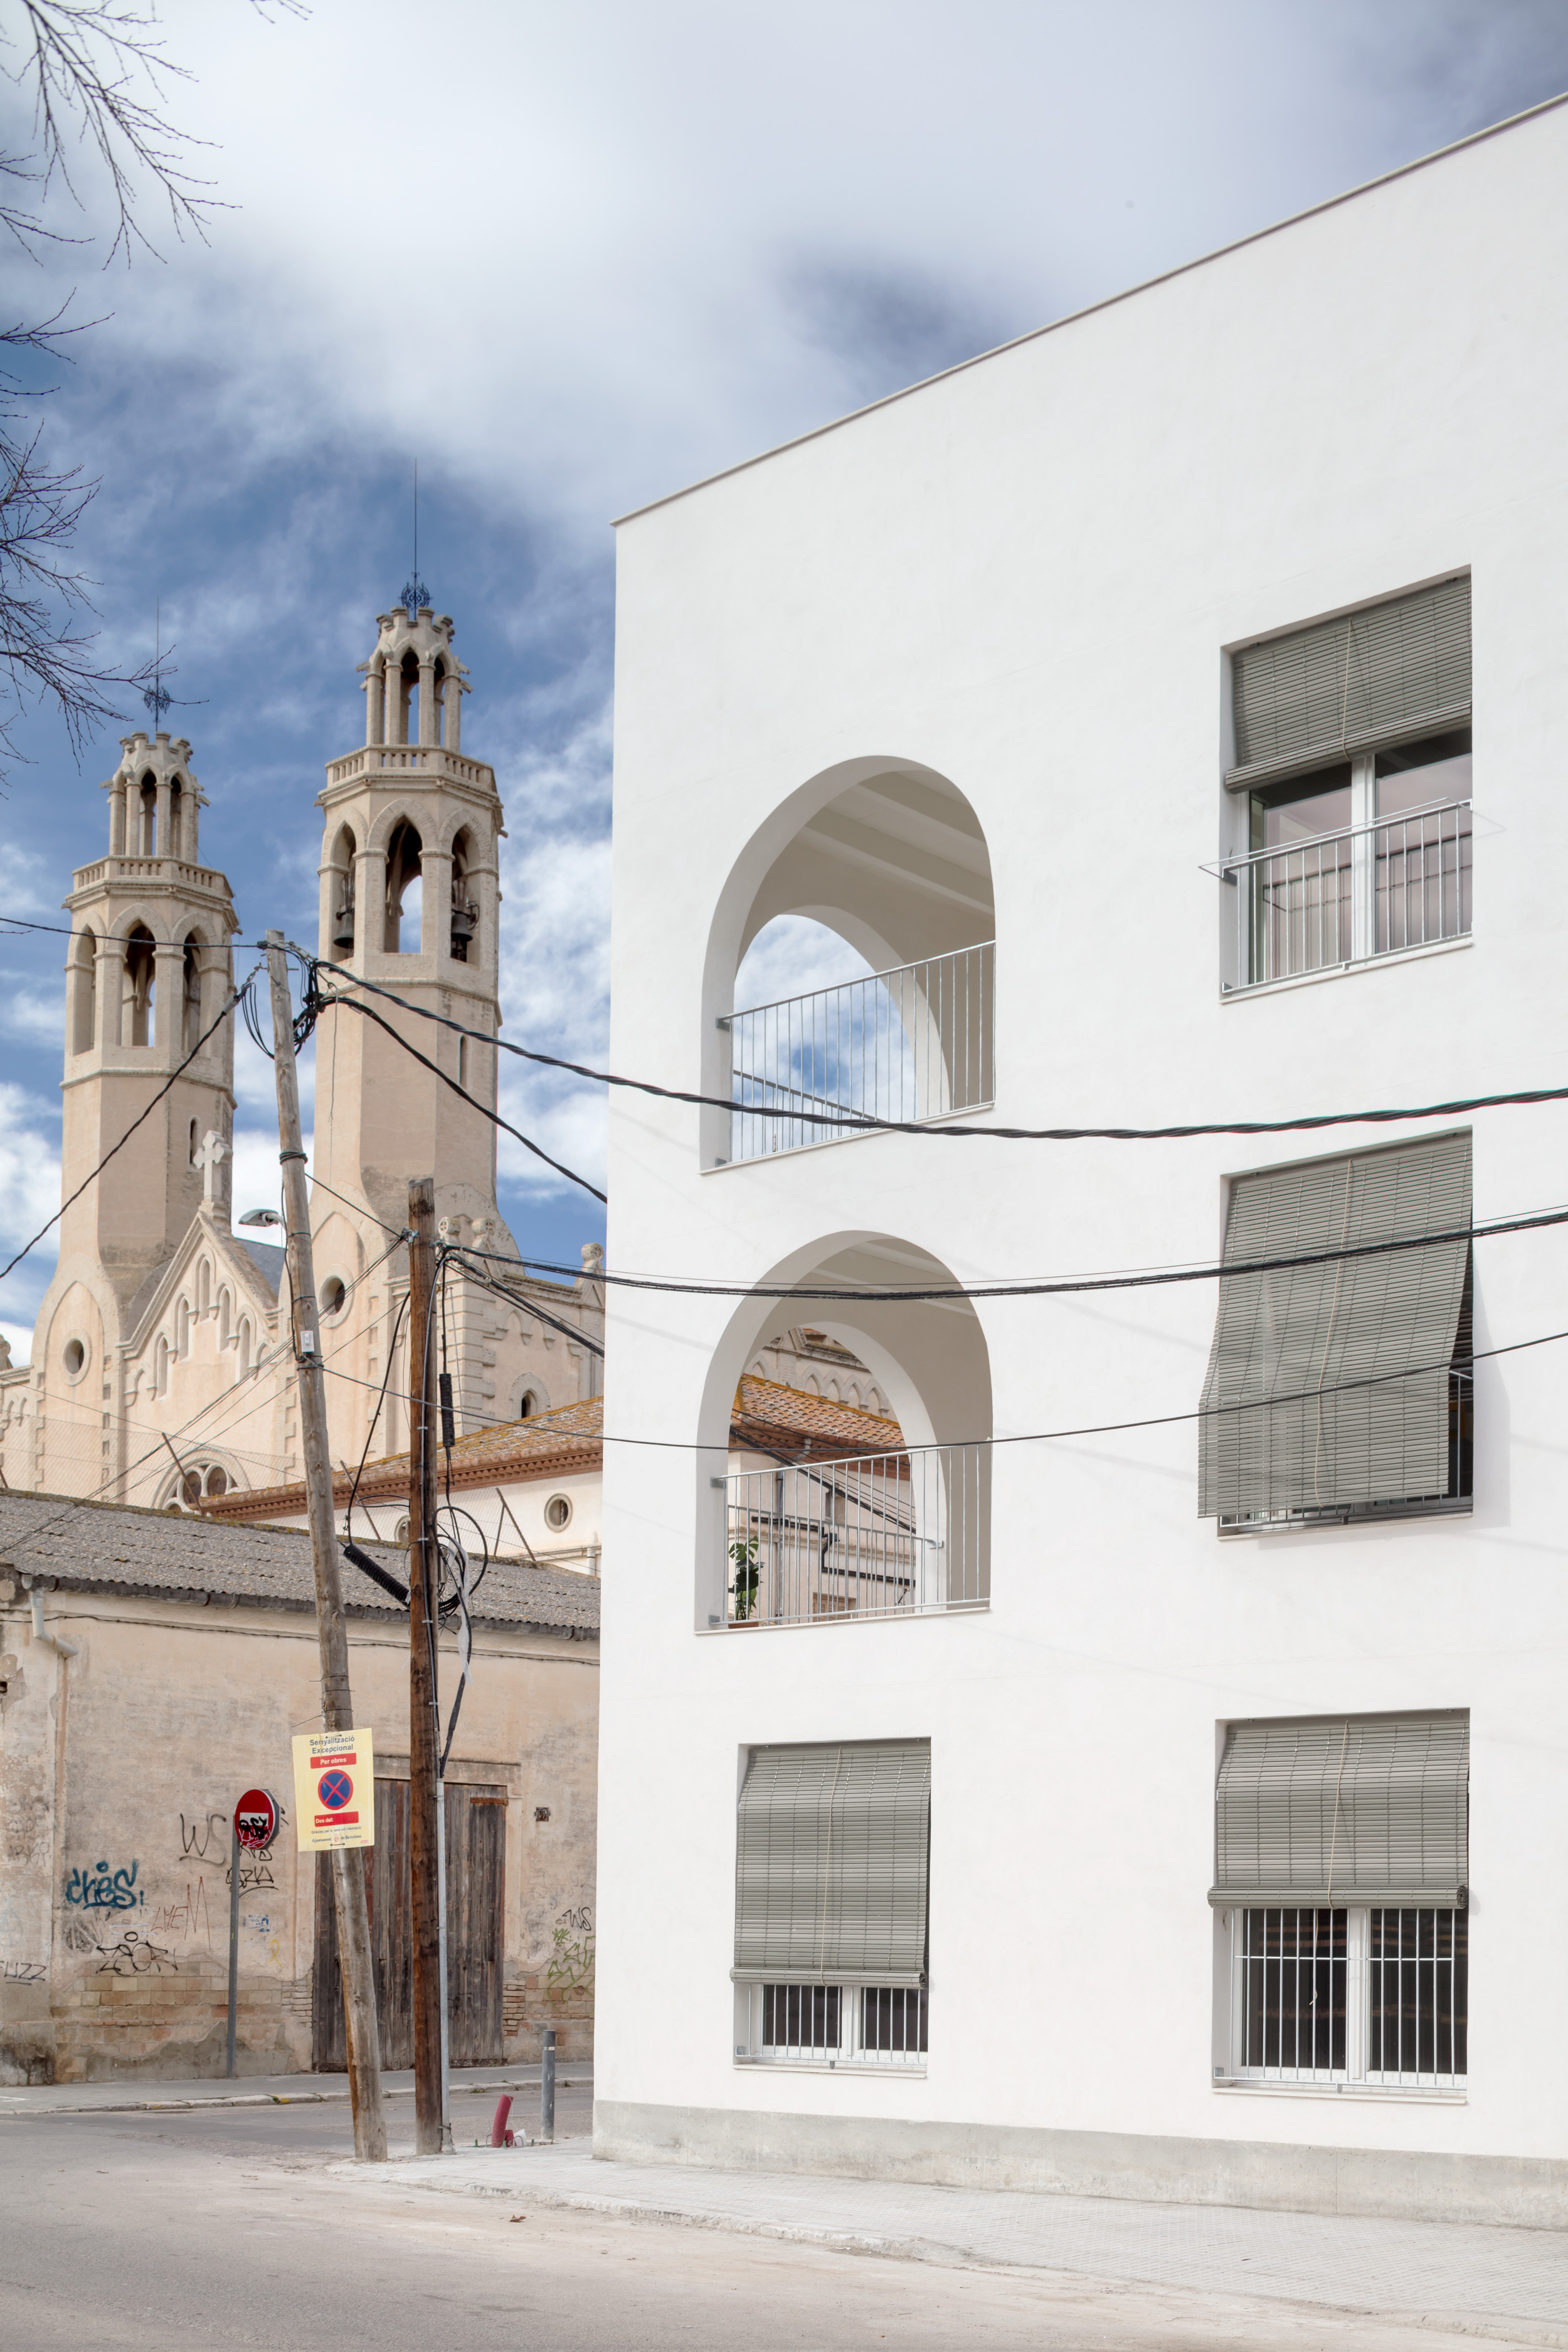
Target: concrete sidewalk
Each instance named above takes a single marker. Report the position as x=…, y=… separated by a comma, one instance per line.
x=1497, y=2283
x=129, y=2097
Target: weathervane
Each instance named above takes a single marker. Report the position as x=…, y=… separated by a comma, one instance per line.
x=157, y=697
x=414, y=592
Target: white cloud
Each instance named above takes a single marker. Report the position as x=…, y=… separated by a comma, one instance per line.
x=29, y=1197
x=792, y=956
x=19, y=1337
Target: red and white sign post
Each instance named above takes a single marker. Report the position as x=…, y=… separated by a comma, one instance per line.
x=253, y=1828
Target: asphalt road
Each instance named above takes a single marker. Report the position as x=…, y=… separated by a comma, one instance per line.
x=230, y=2227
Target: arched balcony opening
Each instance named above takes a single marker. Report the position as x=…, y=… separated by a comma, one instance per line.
x=139, y=999
x=147, y=818
x=828, y=1513
x=341, y=896
x=191, y=995
x=403, y=700
x=851, y=964
x=465, y=905
x=405, y=889
x=175, y=844
x=84, y=993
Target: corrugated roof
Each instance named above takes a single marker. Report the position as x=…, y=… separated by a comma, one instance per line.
x=121, y=1547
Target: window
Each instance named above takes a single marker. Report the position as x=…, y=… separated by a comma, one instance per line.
x=558, y=1512
x=1342, y=1389
x=1341, y=1857
x=1352, y=743
x=831, y=1870
x=334, y=1296
x=74, y=1359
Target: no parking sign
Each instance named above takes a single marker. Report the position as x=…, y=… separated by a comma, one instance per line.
x=335, y=1789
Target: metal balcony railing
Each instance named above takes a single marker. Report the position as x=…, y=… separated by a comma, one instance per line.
x=915, y=1044
x=1342, y=897
x=873, y=1535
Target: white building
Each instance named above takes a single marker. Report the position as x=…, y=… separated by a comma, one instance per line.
x=1149, y=648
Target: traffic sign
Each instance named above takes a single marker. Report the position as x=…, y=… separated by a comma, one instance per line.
x=335, y=1789
x=256, y=1819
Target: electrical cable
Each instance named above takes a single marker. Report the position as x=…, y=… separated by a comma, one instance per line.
x=847, y=1117
x=362, y=1559
x=142, y=1114
x=1533, y=1222
x=528, y=1305
x=1096, y=1429
x=61, y=931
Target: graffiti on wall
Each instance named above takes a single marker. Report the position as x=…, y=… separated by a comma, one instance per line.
x=571, y=1967
x=101, y=1889
x=204, y=1839
x=24, y=1971
x=190, y=1920
x=135, y=1956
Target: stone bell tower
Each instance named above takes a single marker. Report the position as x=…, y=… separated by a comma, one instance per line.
x=149, y=968
x=410, y=899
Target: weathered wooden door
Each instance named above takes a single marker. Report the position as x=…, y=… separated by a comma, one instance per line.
x=476, y=1932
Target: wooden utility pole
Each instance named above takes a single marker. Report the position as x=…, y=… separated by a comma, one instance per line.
x=425, y=1826
x=337, y=1705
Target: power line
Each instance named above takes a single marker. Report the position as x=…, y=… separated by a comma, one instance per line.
x=936, y=1293
x=233, y=1000
x=461, y=1092
x=60, y=931
x=1093, y=1429
x=857, y=1121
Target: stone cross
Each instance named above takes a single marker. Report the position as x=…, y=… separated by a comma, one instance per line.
x=214, y=1150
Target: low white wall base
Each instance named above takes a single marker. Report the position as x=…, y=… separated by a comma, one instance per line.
x=1524, y=2192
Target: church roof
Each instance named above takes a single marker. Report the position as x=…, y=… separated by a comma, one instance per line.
x=268, y=1258
x=167, y=1555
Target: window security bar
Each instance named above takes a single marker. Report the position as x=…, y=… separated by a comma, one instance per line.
x=913, y=1044
x=1360, y=1997
x=873, y=1535
x=835, y=2025
x=1344, y=897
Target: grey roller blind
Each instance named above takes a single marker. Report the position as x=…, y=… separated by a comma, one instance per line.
x=1340, y=1369
x=831, y=1864
x=1393, y=670
x=1359, y=1809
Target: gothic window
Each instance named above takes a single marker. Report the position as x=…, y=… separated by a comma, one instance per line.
x=405, y=869
x=204, y=1287
x=242, y=1348
x=140, y=995
x=182, y=1330
x=191, y=1146
x=341, y=941
x=464, y=907
x=192, y=1028
x=174, y=845
x=147, y=820
x=161, y=1367
x=225, y=1315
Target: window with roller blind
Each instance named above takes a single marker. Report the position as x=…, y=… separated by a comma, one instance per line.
x=1353, y=775
x=831, y=1879
x=1339, y=1384
x=1341, y=1868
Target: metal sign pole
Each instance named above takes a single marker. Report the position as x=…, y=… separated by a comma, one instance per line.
x=233, y=1934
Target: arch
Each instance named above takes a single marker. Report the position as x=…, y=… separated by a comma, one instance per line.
x=929, y=1360
x=138, y=988
x=84, y=993
x=191, y=993
x=405, y=889
x=465, y=919
x=147, y=816
x=204, y=1287
x=193, y=1144
x=182, y=1329
x=891, y=858
x=528, y=1399
x=224, y=1314
x=174, y=845
x=242, y=1348
x=161, y=1367
x=340, y=897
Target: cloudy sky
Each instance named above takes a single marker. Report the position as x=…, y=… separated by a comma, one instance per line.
x=569, y=255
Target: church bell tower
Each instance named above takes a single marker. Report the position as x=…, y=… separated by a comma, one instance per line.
x=409, y=898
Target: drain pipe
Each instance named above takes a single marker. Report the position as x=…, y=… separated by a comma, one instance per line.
x=51, y=1641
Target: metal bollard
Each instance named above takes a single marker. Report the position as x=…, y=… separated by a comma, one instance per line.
x=547, y=2087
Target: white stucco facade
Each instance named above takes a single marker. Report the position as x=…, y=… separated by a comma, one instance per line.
x=1020, y=584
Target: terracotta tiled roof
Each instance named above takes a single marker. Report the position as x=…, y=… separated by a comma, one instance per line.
x=545, y=1446
x=784, y=1420
x=173, y=1556
x=767, y=1414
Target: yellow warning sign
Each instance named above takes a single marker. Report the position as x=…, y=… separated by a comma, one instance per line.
x=335, y=1789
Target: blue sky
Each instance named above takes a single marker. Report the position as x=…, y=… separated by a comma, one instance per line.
x=570, y=255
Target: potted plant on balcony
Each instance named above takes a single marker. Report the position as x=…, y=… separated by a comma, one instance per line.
x=748, y=1576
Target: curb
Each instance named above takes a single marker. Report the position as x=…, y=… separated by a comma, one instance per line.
x=270, y=2099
